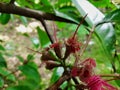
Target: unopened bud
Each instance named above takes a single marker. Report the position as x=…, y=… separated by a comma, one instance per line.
x=47, y=55
x=51, y=64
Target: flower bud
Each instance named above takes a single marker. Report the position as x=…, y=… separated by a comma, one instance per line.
x=72, y=46
x=57, y=48
x=51, y=64
x=47, y=55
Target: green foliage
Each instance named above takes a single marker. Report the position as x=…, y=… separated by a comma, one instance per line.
x=30, y=72
x=2, y=61
x=1, y=82
x=4, y=18
x=29, y=77
x=113, y=16
x=43, y=38
x=56, y=74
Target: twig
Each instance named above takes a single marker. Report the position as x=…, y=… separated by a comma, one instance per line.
x=110, y=75
x=47, y=30
x=87, y=41
x=33, y=50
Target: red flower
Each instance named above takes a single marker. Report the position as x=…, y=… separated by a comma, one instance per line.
x=73, y=45
x=96, y=83
x=75, y=71
x=87, y=69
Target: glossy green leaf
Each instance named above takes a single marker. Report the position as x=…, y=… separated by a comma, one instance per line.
x=43, y=38
x=2, y=61
x=4, y=18
x=64, y=85
x=113, y=16
x=30, y=72
x=1, y=82
x=56, y=74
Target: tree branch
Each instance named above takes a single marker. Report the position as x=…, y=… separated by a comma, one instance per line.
x=12, y=9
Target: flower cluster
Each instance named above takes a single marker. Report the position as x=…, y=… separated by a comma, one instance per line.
x=54, y=56
x=86, y=74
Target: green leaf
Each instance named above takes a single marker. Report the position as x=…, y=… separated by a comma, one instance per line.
x=1, y=82
x=30, y=72
x=45, y=2
x=100, y=3
x=20, y=87
x=2, y=48
x=2, y=61
x=63, y=15
x=35, y=42
x=21, y=59
x=105, y=32
x=11, y=77
x=24, y=20
x=43, y=38
x=56, y=74
x=113, y=16
x=30, y=57
x=33, y=85
x=3, y=71
x=4, y=18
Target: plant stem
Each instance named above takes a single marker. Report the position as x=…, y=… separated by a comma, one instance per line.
x=110, y=75
x=79, y=25
x=87, y=41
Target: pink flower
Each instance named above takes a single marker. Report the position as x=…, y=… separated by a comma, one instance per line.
x=87, y=69
x=75, y=71
x=73, y=45
x=96, y=83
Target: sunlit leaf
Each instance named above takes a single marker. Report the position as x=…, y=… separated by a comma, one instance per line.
x=35, y=42
x=56, y=74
